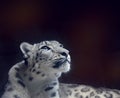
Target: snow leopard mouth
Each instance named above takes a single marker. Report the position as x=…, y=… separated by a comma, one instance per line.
x=60, y=62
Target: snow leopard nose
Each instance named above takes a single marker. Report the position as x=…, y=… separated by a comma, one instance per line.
x=64, y=54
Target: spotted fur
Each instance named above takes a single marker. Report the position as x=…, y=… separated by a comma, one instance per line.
x=37, y=75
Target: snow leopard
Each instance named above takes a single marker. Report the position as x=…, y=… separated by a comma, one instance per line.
x=37, y=75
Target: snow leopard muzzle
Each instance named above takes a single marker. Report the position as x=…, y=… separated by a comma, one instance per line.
x=60, y=62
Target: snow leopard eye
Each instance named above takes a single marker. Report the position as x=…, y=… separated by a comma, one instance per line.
x=61, y=45
x=45, y=47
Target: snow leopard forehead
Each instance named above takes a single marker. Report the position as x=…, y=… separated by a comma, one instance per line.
x=49, y=43
x=26, y=47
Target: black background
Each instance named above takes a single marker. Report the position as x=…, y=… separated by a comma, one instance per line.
x=89, y=30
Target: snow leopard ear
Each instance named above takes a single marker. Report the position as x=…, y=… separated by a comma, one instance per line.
x=25, y=47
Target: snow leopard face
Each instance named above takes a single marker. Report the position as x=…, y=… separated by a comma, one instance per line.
x=47, y=56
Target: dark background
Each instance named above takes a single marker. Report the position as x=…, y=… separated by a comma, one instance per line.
x=89, y=30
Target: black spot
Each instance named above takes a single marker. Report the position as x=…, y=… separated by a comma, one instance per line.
x=26, y=62
x=17, y=69
x=85, y=89
x=48, y=88
x=21, y=83
x=30, y=78
x=33, y=65
x=38, y=72
x=40, y=59
x=33, y=70
x=75, y=90
x=97, y=96
x=92, y=94
x=36, y=58
x=10, y=89
x=53, y=94
x=77, y=95
x=81, y=96
x=108, y=95
x=99, y=91
x=16, y=96
x=86, y=97
x=43, y=75
x=69, y=92
x=37, y=55
x=18, y=76
x=55, y=83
